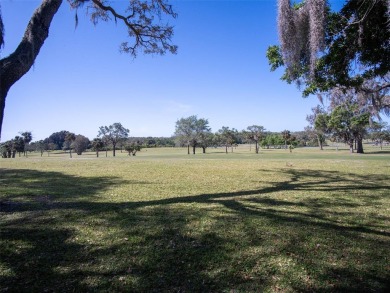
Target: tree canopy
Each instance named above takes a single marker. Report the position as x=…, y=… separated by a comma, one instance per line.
x=255, y=133
x=322, y=49
x=227, y=137
x=113, y=134
x=192, y=131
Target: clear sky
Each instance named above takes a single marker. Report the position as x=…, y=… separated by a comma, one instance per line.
x=80, y=81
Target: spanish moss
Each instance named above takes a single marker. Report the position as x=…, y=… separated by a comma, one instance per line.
x=301, y=32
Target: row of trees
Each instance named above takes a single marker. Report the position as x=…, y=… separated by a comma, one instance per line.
x=109, y=137
x=67, y=141
x=195, y=132
x=18, y=144
x=342, y=123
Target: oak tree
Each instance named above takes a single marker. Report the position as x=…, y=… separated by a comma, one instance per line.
x=192, y=131
x=113, y=134
x=142, y=18
x=80, y=144
x=322, y=49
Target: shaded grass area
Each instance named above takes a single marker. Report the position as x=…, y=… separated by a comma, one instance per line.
x=194, y=226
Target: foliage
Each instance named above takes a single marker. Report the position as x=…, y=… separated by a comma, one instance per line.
x=192, y=131
x=80, y=144
x=156, y=141
x=227, y=137
x=256, y=134
x=319, y=125
x=304, y=138
x=52, y=146
x=58, y=138
x=205, y=140
x=132, y=148
x=9, y=148
x=97, y=144
x=355, y=40
x=39, y=146
x=272, y=139
x=69, y=139
x=345, y=122
x=27, y=136
x=113, y=134
x=286, y=134
x=379, y=132
x=143, y=20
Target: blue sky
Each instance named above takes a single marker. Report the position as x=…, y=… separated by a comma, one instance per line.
x=80, y=81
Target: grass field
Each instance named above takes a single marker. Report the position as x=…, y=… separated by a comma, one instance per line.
x=165, y=221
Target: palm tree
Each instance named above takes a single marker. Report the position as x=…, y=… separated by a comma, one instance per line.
x=286, y=136
x=97, y=145
x=27, y=138
x=69, y=138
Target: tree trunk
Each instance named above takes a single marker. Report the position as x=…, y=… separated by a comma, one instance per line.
x=13, y=67
x=204, y=150
x=193, y=149
x=113, y=149
x=351, y=146
x=97, y=154
x=188, y=149
x=320, y=142
x=359, y=149
x=226, y=149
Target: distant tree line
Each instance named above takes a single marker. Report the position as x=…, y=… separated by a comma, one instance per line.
x=110, y=138
x=343, y=124
x=193, y=132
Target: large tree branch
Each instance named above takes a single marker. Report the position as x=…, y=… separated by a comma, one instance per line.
x=377, y=89
x=152, y=38
x=149, y=36
x=13, y=67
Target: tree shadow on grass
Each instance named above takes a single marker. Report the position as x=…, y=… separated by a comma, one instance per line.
x=377, y=152
x=38, y=253
x=248, y=240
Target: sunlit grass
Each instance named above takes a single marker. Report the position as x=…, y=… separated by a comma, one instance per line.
x=165, y=221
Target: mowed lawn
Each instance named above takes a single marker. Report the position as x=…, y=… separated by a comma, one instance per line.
x=165, y=221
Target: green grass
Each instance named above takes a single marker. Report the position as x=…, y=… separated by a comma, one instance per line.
x=164, y=221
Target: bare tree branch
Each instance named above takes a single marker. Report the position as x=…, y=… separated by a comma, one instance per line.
x=151, y=38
